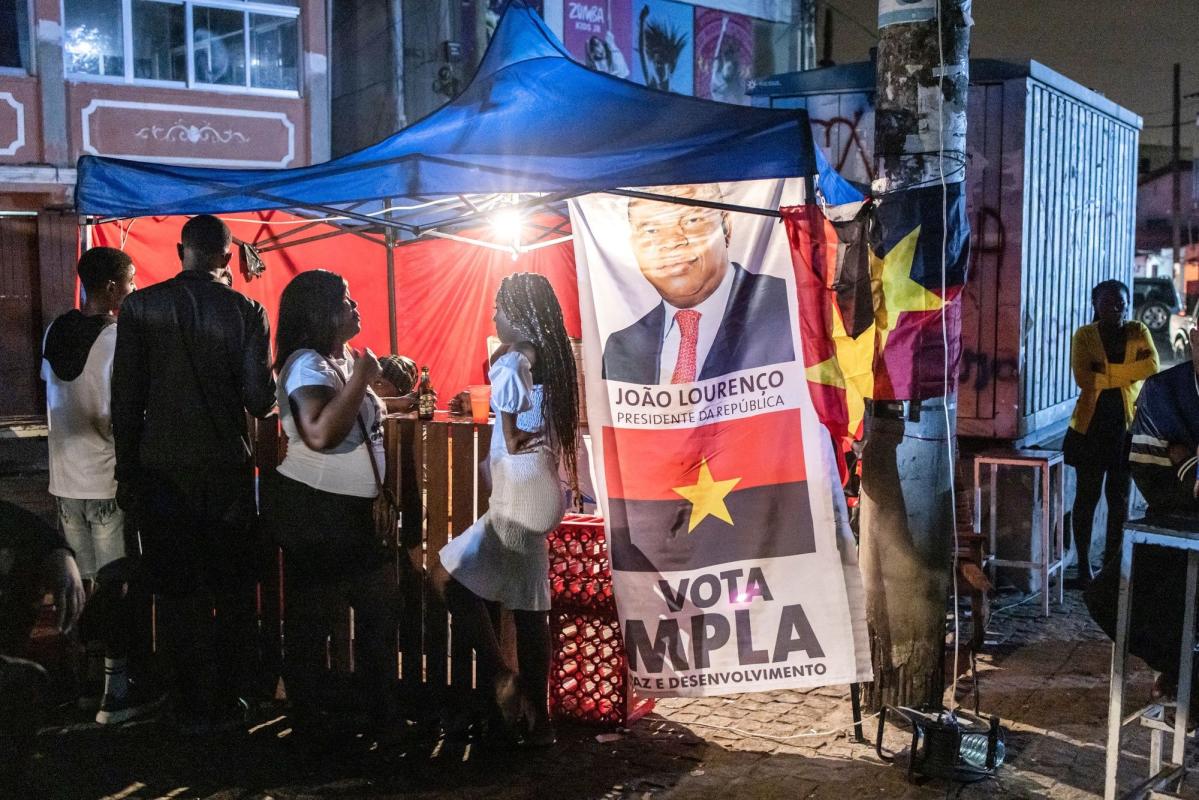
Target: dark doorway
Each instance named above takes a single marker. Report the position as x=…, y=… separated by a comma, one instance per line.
x=20, y=317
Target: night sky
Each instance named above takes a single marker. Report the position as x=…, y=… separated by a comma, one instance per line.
x=1124, y=50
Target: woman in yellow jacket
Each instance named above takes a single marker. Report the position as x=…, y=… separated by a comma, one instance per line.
x=1110, y=358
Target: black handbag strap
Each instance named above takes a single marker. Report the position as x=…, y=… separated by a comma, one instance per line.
x=366, y=441
x=201, y=385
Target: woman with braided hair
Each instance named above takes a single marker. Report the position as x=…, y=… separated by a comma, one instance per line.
x=396, y=384
x=502, y=556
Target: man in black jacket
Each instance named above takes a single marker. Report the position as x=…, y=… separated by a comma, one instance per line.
x=1162, y=458
x=192, y=357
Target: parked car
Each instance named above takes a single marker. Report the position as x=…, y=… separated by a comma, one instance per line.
x=1180, y=332
x=1154, y=301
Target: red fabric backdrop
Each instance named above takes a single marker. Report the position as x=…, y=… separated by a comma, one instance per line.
x=445, y=290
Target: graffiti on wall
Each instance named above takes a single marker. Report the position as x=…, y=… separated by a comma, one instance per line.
x=988, y=238
x=979, y=369
x=842, y=141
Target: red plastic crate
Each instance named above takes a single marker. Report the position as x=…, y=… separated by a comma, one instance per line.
x=589, y=671
x=588, y=675
x=579, y=572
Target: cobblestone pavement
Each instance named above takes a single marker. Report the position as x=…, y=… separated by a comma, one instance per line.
x=1046, y=678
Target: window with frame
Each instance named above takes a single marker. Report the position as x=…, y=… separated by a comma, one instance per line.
x=14, y=34
x=230, y=44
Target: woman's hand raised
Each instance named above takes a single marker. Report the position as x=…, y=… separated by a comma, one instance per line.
x=368, y=363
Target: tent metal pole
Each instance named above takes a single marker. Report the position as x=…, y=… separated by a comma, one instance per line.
x=293, y=232
x=524, y=248
x=367, y=235
x=524, y=208
x=392, y=328
x=333, y=212
x=286, y=204
x=690, y=201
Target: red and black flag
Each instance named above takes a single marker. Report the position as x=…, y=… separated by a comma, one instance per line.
x=832, y=261
x=814, y=257
x=689, y=498
x=921, y=239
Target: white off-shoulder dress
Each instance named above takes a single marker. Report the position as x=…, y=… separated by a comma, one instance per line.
x=502, y=556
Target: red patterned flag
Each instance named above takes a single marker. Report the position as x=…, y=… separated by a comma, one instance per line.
x=874, y=317
x=833, y=281
x=920, y=272
x=814, y=257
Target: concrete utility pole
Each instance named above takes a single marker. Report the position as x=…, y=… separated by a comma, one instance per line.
x=908, y=463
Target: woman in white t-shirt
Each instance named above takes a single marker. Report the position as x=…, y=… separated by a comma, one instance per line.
x=319, y=504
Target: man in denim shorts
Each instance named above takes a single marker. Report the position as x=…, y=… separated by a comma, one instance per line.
x=77, y=358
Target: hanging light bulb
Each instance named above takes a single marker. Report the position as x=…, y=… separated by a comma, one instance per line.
x=507, y=223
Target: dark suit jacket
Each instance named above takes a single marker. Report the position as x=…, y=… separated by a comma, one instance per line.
x=633, y=354
x=192, y=357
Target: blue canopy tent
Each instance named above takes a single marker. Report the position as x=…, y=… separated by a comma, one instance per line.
x=531, y=121
x=531, y=129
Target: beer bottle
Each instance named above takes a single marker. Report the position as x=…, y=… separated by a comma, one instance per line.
x=426, y=400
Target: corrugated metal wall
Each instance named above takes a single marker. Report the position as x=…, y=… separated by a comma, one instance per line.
x=1079, y=211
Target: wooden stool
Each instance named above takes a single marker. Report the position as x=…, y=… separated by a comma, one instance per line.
x=1044, y=462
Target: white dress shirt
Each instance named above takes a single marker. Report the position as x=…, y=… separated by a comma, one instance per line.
x=711, y=314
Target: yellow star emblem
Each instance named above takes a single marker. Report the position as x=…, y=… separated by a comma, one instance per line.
x=707, y=497
x=894, y=289
x=827, y=372
x=855, y=357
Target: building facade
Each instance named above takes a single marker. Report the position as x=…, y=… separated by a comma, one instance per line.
x=395, y=61
x=1155, y=227
x=219, y=83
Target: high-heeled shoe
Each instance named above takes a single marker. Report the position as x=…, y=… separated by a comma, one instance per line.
x=536, y=730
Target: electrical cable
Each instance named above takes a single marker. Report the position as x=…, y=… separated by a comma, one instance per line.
x=949, y=439
x=1186, y=98
x=1010, y=606
x=753, y=735
x=125, y=231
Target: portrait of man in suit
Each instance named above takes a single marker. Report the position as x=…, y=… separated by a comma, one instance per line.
x=700, y=328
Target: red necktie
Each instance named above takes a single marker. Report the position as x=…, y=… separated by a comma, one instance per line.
x=684, y=367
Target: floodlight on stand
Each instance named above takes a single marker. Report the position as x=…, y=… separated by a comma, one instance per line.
x=955, y=746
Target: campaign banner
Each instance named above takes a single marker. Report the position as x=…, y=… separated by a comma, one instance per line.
x=724, y=55
x=663, y=40
x=733, y=564
x=599, y=34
